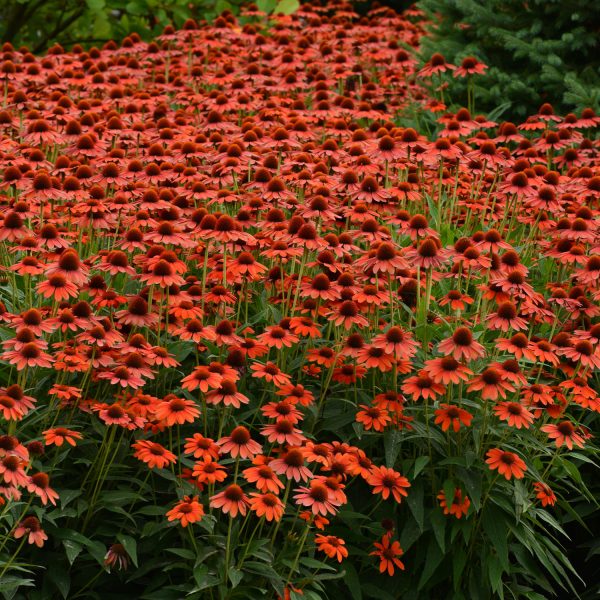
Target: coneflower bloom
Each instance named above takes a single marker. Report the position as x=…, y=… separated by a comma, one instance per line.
x=373, y=417
x=239, y=443
x=422, y=386
x=491, y=384
x=388, y=553
x=232, y=500
x=449, y=415
x=40, y=486
x=332, y=546
x=270, y=372
x=116, y=555
x=318, y=498
x=173, y=410
x=386, y=481
x=462, y=346
x=29, y=355
x=458, y=507
x=505, y=318
x=264, y=478
x=398, y=342
x=59, y=435
x=267, y=505
x=199, y=447
x=208, y=470
x=12, y=471
x=583, y=352
x=186, y=511
x=153, y=454
x=447, y=370
x=456, y=300
x=227, y=394
x=515, y=414
x=291, y=465
x=506, y=463
x=30, y=527
x=564, y=433
x=282, y=410
x=203, y=379
x=544, y=494
x=283, y=432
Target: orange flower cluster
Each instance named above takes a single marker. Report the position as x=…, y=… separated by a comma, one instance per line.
x=235, y=256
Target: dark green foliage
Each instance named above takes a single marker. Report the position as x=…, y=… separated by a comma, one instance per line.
x=40, y=23
x=538, y=51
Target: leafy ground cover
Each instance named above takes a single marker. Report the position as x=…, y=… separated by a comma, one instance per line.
x=275, y=324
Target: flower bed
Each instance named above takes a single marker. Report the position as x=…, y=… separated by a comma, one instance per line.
x=262, y=336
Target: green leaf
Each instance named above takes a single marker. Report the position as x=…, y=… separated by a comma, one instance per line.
x=130, y=546
x=391, y=444
x=59, y=576
x=472, y=482
x=96, y=5
x=235, y=576
x=495, y=526
x=266, y=6
x=420, y=464
x=459, y=560
x=434, y=558
x=416, y=503
x=287, y=7
x=438, y=524
x=72, y=550
x=352, y=580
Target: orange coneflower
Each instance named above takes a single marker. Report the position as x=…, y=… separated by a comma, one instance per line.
x=31, y=527
x=544, y=494
x=59, y=435
x=387, y=481
x=398, y=342
x=227, y=394
x=462, y=345
x=373, y=417
x=458, y=507
x=231, y=501
x=12, y=470
x=200, y=447
x=186, y=511
x=40, y=486
x=491, y=384
x=239, y=443
x=422, y=386
x=270, y=372
x=449, y=414
x=506, y=317
x=291, y=464
x=507, y=463
x=446, y=370
x=564, y=433
x=282, y=410
x=267, y=505
x=514, y=413
x=201, y=378
x=264, y=478
x=173, y=410
x=296, y=394
x=332, y=546
x=209, y=471
x=29, y=355
x=388, y=553
x=283, y=432
x=153, y=454
x=277, y=337
x=318, y=498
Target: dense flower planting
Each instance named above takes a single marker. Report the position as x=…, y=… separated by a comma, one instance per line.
x=276, y=324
